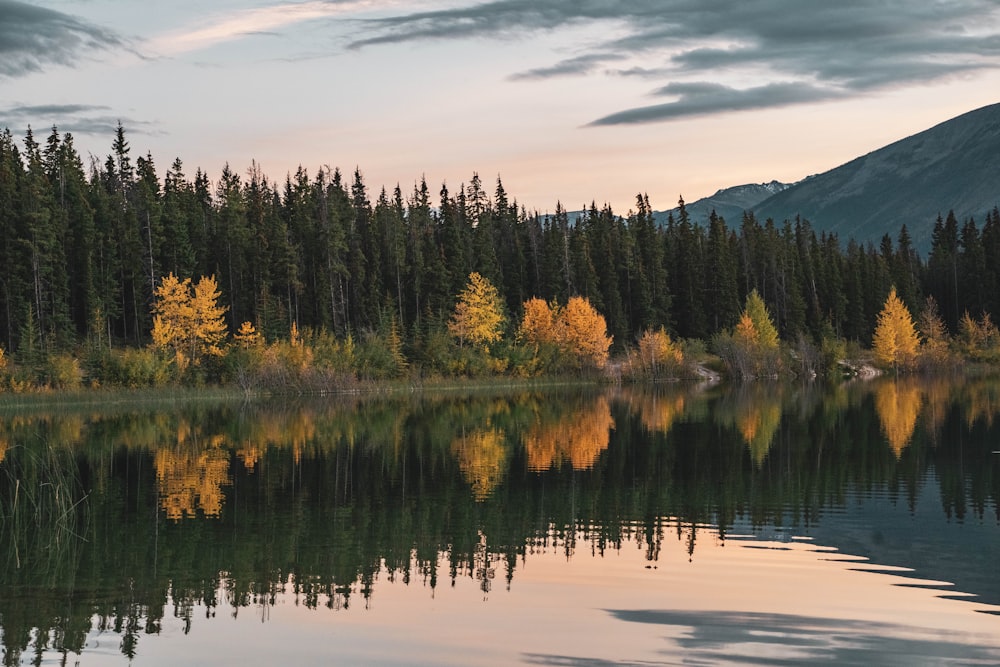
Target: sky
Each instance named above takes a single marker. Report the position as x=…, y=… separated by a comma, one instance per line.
x=570, y=101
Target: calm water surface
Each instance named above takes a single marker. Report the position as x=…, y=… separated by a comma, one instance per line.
x=766, y=525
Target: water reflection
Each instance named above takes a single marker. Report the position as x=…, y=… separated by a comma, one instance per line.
x=120, y=520
x=898, y=405
x=576, y=436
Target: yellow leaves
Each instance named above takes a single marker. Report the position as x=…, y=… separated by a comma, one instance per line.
x=579, y=437
x=764, y=332
x=479, y=315
x=248, y=337
x=188, y=319
x=898, y=406
x=657, y=349
x=189, y=482
x=538, y=324
x=895, y=341
x=578, y=330
x=482, y=457
x=585, y=333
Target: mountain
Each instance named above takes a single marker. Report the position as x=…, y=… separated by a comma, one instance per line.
x=729, y=203
x=952, y=166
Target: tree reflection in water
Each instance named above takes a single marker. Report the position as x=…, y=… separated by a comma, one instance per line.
x=165, y=512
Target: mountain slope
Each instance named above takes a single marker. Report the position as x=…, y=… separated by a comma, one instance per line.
x=952, y=166
x=729, y=203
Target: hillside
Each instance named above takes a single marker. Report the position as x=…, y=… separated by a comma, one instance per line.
x=952, y=166
x=729, y=203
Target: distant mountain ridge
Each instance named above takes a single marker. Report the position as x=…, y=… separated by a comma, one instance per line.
x=729, y=203
x=953, y=166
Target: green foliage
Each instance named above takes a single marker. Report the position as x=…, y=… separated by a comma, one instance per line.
x=131, y=368
x=751, y=350
x=81, y=255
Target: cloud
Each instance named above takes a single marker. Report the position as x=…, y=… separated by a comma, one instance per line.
x=782, y=51
x=77, y=119
x=584, y=64
x=32, y=38
x=258, y=21
x=702, y=99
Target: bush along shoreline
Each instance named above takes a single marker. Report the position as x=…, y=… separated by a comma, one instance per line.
x=191, y=347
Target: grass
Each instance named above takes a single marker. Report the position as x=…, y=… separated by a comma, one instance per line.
x=40, y=503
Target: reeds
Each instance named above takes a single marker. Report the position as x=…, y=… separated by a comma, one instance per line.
x=42, y=503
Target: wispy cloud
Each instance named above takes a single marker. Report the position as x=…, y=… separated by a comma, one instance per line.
x=584, y=64
x=32, y=38
x=77, y=119
x=259, y=21
x=783, y=51
x=701, y=99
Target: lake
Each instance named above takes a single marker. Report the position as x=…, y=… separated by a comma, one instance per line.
x=768, y=524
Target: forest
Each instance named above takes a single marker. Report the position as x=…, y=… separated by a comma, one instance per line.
x=319, y=271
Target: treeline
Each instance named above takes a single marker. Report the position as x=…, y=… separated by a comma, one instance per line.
x=83, y=249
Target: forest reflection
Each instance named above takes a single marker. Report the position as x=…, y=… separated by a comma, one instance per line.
x=131, y=514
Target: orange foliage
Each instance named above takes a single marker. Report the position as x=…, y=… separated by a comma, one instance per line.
x=578, y=437
x=538, y=323
x=658, y=413
x=585, y=332
x=757, y=422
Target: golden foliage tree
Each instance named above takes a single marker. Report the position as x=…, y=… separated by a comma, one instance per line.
x=577, y=330
x=756, y=311
x=895, y=342
x=248, y=337
x=752, y=349
x=584, y=332
x=188, y=318
x=658, y=352
x=479, y=314
x=538, y=323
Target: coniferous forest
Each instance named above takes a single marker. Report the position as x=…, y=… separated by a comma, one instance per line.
x=360, y=273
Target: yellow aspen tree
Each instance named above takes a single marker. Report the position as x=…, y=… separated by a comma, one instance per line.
x=538, y=323
x=585, y=332
x=895, y=341
x=248, y=336
x=172, y=316
x=656, y=349
x=479, y=314
x=756, y=310
x=209, y=318
x=188, y=319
